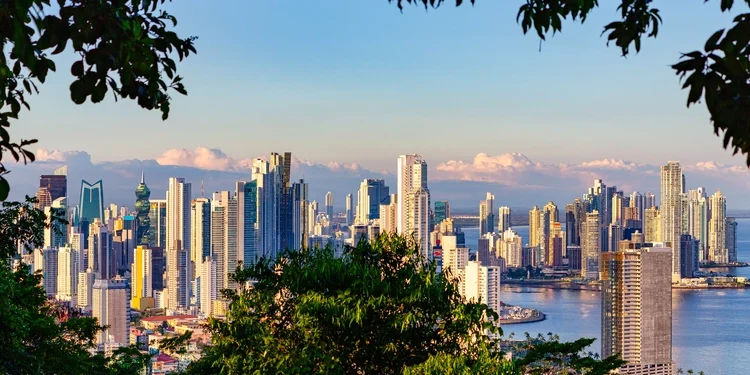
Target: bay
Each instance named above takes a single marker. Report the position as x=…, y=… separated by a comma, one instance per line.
x=710, y=328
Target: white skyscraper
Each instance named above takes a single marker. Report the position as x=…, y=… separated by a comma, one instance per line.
x=349, y=210
x=590, y=246
x=178, y=213
x=200, y=230
x=67, y=274
x=85, y=288
x=209, y=290
x=482, y=284
x=511, y=248
x=717, y=245
x=671, y=212
x=503, y=219
x=413, y=208
x=487, y=215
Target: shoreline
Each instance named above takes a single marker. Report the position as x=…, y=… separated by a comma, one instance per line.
x=567, y=285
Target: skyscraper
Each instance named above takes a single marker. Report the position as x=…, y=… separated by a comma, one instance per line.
x=349, y=210
x=141, y=279
x=269, y=185
x=482, y=284
x=372, y=192
x=637, y=201
x=178, y=278
x=535, y=226
x=55, y=184
x=300, y=215
x=111, y=307
x=209, y=283
x=717, y=244
x=67, y=274
x=92, y=201
x=200, y=230
x=442, y=211
x=56, y=235
x=413, y=208
x=590, y=246
x=487, y=215
x=637, y=308
x=282, y=166
x=731, y=239
x=575, y=215
x=142, y=208
x=178, y=214
x=671, y=212
x=652, y=225
x=689, y=248
x=549, y=216
x=157, y=223
x=85, y=290
x=100, y=255
x=329, y=206
x=219, y=228
x=246, y=194
x=503, y=219
x=697, y=219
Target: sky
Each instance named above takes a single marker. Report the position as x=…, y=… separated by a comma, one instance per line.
x=347, y=82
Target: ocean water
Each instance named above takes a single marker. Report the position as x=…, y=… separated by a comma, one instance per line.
x=710, y=328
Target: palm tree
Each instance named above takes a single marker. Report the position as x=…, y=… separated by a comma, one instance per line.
x=679, y=371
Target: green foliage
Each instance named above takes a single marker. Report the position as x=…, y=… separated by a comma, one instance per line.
x=122, y=45
x=36, y=335
x=379, y=309
x=719, y=74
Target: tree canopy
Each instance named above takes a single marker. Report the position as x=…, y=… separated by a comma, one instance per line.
x=126, y=46
x=378, y=309
x=717, y=72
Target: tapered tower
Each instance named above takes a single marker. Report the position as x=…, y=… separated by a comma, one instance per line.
x=142, y=207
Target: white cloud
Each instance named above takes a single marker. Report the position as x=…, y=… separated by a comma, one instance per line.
x=73, y=156
x=201, y=157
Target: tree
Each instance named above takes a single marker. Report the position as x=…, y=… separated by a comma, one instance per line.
x=37, y=336
x=123, y=45
x=718, y=73
x=379, y=309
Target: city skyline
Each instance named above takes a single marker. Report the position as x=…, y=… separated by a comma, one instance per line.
x=515, y=179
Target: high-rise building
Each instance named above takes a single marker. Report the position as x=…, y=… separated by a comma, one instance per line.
x=67, y=274
x=158, y=223
x=556, y=245
x=56, y=235
x=268, y=181
x=482, y=284
x=111, y=308
x=300, y=215
x=637, y=201
x=349, y=210
x=617, y=209
x=329, y=206
x=85, y=288
x=46, y=261
x=575, y=215
x=92, y=201
x=511, y=248
x=100, y=255
x=280, y=165
x=487, y=215
x=43, y=198
x=731, y=239
x=549, y=216
x=200, y=230
x=671, y=212
x=697, y=219
x=717, y=243
x=590, y=246
x=649, y=200
x=123, y=232
x=413, y=209
x=615, y=235
x=535, y=226
x=178, y=277
x=454, y=258
x=372, y=193
x=178, y=214
x=442, y=211
x=503, y=219
x=219, y=229
x=142, y=208
x=652, y=225
x=246, y=194
x=689, y=248
x=141, y=279
x=388, y=215
x=209, y=282
x=637, y=308
x=55, y=184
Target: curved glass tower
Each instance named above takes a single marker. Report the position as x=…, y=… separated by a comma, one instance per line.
x=142, y=207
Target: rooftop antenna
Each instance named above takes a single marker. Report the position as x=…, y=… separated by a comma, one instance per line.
x=202, y=189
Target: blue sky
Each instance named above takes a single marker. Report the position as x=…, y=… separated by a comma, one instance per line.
x=359, y=81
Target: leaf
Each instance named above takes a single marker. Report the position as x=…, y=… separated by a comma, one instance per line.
x=4, y=189
x=77, y=68
x=712, y=42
